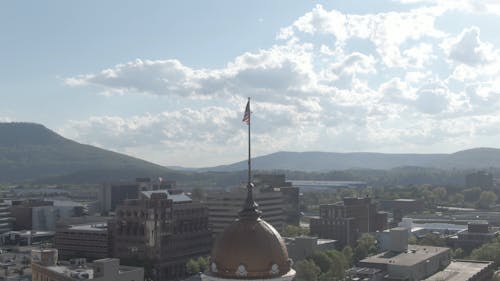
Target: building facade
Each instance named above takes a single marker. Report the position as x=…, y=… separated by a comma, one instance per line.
x=161, y=230
x=223, y=207
x=84, y=240
x=5, y=217
x=346, y=221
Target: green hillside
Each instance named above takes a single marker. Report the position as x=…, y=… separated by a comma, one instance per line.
x=31, y=151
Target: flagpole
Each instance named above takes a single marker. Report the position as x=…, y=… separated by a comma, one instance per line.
x=249, y=155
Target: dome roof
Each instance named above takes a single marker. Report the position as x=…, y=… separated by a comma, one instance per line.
x=249, y=248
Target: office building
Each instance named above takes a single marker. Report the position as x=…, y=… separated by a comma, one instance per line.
x=346, y=221
x=223, y=207
x=45, y=266
x=162, y=229
x=89, y=240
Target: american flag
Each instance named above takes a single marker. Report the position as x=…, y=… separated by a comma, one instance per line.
x=246, y=116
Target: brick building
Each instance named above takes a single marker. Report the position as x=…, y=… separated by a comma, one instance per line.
x=161, y=230
x=346, y=221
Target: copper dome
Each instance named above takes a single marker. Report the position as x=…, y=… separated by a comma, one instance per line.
x=250, y=248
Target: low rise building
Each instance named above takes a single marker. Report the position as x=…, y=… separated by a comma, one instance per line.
x=477, y=234
x=46, y=266
x=465, y=270
x=416, y=263
x=402, y=261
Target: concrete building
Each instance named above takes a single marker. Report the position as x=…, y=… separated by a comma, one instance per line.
x=346, y=221
x=113, y=194
x=46, y=267
x=162, y=230
x=394, y=239
x=465, y=270
x=83, y=240
x=477, y=234
x=401, y=261
x=300, y=248
x=416, y=263
x=481, y=179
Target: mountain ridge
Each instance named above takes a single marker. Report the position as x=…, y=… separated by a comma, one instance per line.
x=474, y=158
x=31, y=152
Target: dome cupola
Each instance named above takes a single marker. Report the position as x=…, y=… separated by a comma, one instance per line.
x=250, y=248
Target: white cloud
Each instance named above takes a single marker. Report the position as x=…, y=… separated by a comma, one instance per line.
x=468, y=49
x=417, y=88
x=388, y=31
x=467, y=6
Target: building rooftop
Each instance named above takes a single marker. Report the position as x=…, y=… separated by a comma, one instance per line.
x=86, y=270
x=414, y=255
x=176, y=197
x=460, y=270
x=93, y=227
x=405, y=200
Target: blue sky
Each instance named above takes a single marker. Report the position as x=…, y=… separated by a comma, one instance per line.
x=167, y=81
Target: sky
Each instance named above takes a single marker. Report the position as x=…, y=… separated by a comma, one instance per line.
x=167, y=81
